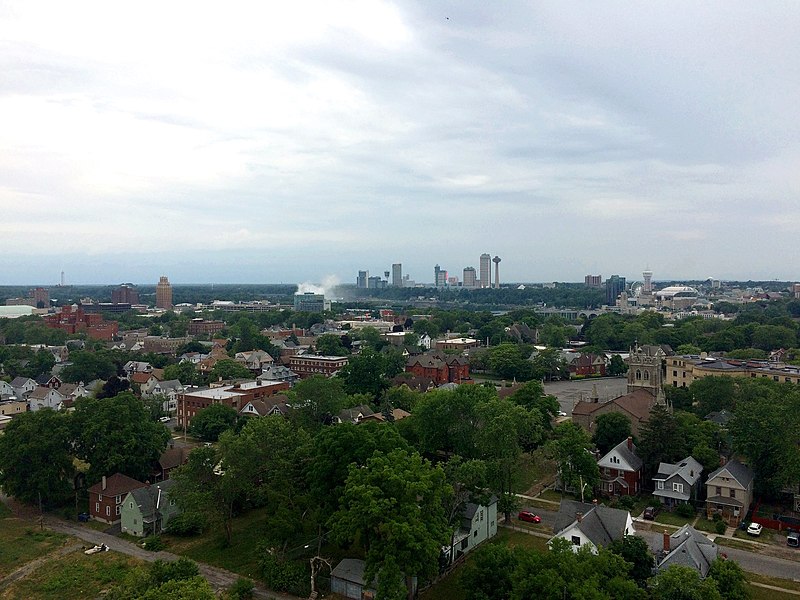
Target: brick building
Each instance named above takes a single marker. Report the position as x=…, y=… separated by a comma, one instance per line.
x=202, y=327
x=439, y=367
x=76, y=320
x=236, y=396
x=306, y=365
x=125, y=294
x=105, y=497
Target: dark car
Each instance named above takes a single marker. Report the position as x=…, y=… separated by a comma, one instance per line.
x=526, y=515
x=650, y=512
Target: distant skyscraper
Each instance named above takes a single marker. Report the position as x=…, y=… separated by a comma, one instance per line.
x=647, y=288
x=163, y=293
x=496, y=261
x=436, y=273
x=594, y=281
x=125, y=294
x=485, y=267
x=615, y=285
x=470, y=280
x=397, y=275
x=363, y=277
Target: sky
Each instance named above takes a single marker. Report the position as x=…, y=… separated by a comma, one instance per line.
x=267, y=142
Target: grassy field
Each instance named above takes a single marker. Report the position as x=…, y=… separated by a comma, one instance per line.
x=72, y=577
x=672, y=519
x=782, y=583
x=534, y=467
x=21, y=542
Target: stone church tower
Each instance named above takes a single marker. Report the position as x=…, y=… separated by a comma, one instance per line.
x=646, y=368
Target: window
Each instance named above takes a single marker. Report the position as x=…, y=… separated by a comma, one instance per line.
x=475, y=534
x=118, y=499
x=481, y=516
x=674, y=373
x=117, y=508
x=659, y=485
x=100, y=497
x=97, y=507
x=465, y=543
x=719, y=491
x=576, y=541
x=677, y=487
x=733, y=493
x=130, y=504
x=638, y=375
x=108, y=511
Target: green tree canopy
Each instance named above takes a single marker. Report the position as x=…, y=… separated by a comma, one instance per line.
x=577, y=467
x=227, y=368
x=209, y=423
x=610, y=429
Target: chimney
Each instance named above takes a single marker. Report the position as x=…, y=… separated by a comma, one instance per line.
x=103, y=485
x=666, y=541
x=630, y=443
x=579, y=517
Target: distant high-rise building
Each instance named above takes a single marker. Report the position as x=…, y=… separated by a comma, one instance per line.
x=485, y=267
x=647, y=287
x=362, y=280
x=795, y=289
x=436, y=271
x=615, y=285
x=397, y=275
x=125, y=294
x=163, y=293
x=41, y=297
x=376, y=283
x=496, y=261
x=311, y=302
x=593, y=281
x=470, y=280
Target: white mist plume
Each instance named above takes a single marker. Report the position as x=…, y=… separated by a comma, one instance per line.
x=326, y=287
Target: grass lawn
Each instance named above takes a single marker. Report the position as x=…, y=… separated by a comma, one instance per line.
x=672, y=519
x=74, y=576
x=782, y=583
x=741, y=545
x=767, y=536
x=21, y=542
x=240, y=557
x=534, y=467
x=554, y=496
x=706, y=525
x=4, y=511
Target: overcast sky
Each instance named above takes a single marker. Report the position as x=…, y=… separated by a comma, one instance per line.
x=297, y=141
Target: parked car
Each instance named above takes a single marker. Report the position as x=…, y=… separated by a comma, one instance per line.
x=165, y=419
x=650, y=512
x=526, y=515
x=754, y=529
x=561, y=413
x=793, y=539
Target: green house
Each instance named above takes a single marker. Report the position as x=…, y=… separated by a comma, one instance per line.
x=147, y=510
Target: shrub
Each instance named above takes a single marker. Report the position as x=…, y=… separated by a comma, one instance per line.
x=685, y=510
x=185, y=524
x=153, y=543
x=717, y=518
x=720, y=526
x=285, y=576
x=626, y=502
x=241, y=590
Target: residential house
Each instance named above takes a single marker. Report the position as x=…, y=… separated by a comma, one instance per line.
x=147, y=510
x=72, y=392
x=170, y=459
x=396, y=414
x=275, y=372
x=6, y=390
x=439, y=367
x=236, y=396
x=50, y=381
x=621, y=470
x=171, y=391
x=687, y=547
x=254, y=360
x=105, y=497
x=45, y=397
x=275, y=405
x=137, y=366
x=677, y=484
x=591, y=525
x=347, y=580
x=635, y=405
x=145, y=381
x=729, y=492
x=478, y=524
x=23, y=386
x=587, y=365
x=353, y=415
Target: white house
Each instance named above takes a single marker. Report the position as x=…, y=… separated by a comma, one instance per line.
x=478, y=524
x=591, y=525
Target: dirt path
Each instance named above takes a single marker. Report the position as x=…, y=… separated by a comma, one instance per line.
x=30, y=567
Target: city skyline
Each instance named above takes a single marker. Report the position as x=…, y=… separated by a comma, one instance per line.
x=285, y=143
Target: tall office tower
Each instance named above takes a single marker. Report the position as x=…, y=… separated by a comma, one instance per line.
x=441, y=278
x=363, y=278
x=485, y=272
x=470, y=280
x=647, y=288
x=593, y=281
x=41, y=297
x=615, y=285
x=496, y=261
x=397, y=275
x=125, y=294
x=163, y=293
x=436, y=271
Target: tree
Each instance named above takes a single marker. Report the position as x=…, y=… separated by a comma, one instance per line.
x=318, y=399
x=730, y=579
x=577, y=468
x=394, y=506
x=683, y=583
x=88, y=366
x=329, y=344
x=117, y=435
x=713, y=394
x=227, y=368
x=365, y=373
x=549, y=365
x=487, y=576
x=610, y=429
x=510, y=362
x=209, y=423
x=636, y=552
x=531, y=396
x=35, y=463
x=617, y=366
x=660, y=440
x=113, y=387
x=185, y=372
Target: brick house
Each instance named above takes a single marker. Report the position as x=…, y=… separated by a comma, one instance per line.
x=621, y=470
x=588, y=365
x=236, y=396
x=106, y=496
x=439, y=367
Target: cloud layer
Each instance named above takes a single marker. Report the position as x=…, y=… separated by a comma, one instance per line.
x=271, y=142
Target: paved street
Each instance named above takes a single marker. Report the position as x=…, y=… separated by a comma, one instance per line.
x=569, y=393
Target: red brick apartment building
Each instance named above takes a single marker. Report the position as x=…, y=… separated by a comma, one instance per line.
x=236, y=396
x=306, y=365
x=77, y=321
x=440, y=367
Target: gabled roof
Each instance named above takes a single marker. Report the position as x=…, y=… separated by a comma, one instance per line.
x=741, y=473
x=19, y=382
x=626, y=454
x=170, y=384
x=351, y=415
x=600, y=524
x=147, y=497
x=140, y=378
x=689, y=548
x=688, y=469
x=637, y=403
x=173, y=457
x=40, y=392
x=116, y=485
